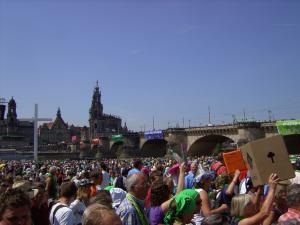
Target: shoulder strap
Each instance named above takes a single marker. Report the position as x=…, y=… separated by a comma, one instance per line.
x=55, y=210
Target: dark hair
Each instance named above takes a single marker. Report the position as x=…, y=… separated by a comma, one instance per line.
x=95, y=174
x=103, y=166
x=215, y=219
x=293, y=195
x=154, y=174
x=159, y=193
x=68, y=189
x=125, y=172
x=137, y=163
x=13, y=198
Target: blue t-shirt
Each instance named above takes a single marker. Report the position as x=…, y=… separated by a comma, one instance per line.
x=188, y=180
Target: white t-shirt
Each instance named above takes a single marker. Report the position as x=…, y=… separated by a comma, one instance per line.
x=78, y=208
x=198, y=217
x=63, y=216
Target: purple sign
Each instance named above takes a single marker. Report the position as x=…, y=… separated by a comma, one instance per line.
x=154, y=134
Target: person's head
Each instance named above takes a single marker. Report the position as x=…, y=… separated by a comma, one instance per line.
x=293, y=196
x=156, y=175
x=103, y=166
x=52, y=170
x=169, y=182
x=5, y=184
x=203, y=181
x=215, y=219
x=96, y=177
x=26, y=187
x=159, y=167
x=103, y=197
x=112, y=173
x=138, y=164
x=242, y=205
x=281, y=197
x=194, y=167
x=41, y=196
x=83, y=190
x=137, y=185
x=97, y=214
x=289, y=222
x=182, y=208
x=15, y=208
x=68, y=190
x=221, y=180
x=195, y=196
x=159, y=193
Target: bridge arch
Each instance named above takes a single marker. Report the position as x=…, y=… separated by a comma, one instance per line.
x=116, y=149
x=154, y=148
x=205, y=145
x=292, y=143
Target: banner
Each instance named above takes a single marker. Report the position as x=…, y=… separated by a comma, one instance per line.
x=286, y=127
x=153, y=134
x=117, y=138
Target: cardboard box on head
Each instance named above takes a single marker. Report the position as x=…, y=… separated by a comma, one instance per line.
x=266, y=156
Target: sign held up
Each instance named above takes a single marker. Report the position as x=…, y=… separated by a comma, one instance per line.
x=266, y=156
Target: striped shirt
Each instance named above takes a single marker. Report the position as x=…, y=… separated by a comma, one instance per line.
x=127, y=212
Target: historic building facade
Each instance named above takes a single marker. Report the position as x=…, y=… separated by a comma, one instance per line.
x=55, y=132
x=14, y=132
x=102, y=125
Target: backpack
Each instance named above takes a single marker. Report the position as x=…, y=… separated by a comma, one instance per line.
x=55, y=211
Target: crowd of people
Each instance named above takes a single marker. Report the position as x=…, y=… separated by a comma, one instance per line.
x=143, y=192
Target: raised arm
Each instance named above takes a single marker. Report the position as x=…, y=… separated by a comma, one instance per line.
x=182, y=169
x=266, y=206
x=230, y=188
x=205, y=208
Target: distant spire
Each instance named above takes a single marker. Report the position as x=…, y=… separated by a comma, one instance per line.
x=58, y=114
x=97, y=84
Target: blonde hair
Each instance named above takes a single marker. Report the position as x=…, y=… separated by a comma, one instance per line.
x=238, y=204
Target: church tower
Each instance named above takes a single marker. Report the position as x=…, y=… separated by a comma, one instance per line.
x=12, y=123
x=96, y=113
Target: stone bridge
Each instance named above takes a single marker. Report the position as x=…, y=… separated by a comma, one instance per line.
x=196, y=140
x=203, y=140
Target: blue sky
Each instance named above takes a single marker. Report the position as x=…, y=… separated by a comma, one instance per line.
x=167, y=59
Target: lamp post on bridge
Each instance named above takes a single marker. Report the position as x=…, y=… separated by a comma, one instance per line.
x=35, y=121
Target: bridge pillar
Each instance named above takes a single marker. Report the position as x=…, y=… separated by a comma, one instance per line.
x=249, y=132
x=176, y=138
